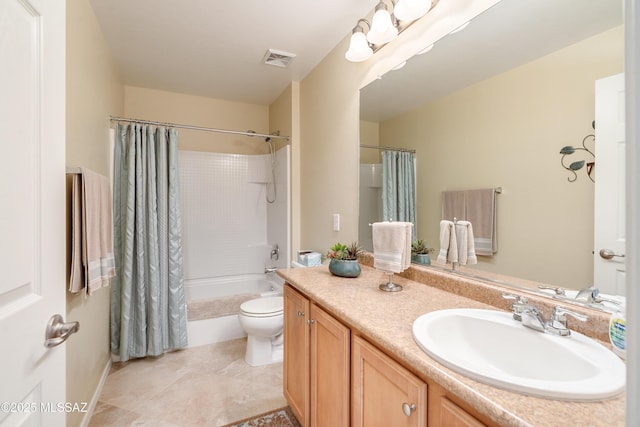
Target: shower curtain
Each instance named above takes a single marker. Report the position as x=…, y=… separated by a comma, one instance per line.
x=399, y=187
x=148, y=306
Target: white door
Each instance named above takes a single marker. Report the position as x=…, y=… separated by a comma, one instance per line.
x=32, y=215
x=609, y=214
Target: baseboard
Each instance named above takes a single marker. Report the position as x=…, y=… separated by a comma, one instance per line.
x=96, y=395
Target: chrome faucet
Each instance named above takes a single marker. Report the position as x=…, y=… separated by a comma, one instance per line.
x=589, y=294
x=532, y=318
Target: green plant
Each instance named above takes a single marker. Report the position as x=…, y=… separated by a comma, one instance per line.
x=420, y=247
x=344, y=252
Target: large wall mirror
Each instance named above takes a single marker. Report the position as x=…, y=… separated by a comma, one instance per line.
x=492, y=106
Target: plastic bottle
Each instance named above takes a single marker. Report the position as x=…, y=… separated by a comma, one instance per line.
x=617, y=332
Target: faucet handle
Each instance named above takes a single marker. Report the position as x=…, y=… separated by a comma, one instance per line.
x=556, y=290
x=520, y=304
x=558, y=321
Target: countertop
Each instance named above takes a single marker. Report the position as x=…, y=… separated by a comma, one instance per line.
x=386, y=320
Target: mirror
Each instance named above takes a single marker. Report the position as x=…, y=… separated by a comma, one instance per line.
x=492, y=106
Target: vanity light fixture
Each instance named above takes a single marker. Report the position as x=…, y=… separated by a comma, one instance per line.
x=384, y=27
x=359, y=48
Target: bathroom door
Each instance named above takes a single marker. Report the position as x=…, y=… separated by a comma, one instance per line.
x=32, y=217
x=609, y=213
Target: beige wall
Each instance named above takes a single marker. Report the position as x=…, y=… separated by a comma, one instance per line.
x=507, y=131
x=158, y=105
x=329, y=123
x=94, y=91
x=370, y=135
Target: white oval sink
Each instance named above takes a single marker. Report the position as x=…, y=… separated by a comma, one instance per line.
x=491, y=347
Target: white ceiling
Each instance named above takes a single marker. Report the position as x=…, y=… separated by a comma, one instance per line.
x=215, y=48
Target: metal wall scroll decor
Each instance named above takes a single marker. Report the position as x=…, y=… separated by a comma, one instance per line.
x=575, y=166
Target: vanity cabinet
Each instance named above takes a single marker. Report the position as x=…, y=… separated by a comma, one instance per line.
x=316, y=363
x=383, y=392
x=335, y=378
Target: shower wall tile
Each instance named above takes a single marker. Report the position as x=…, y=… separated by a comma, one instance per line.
x=224, y=214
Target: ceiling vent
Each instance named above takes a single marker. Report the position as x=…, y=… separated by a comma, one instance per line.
x=278, y=58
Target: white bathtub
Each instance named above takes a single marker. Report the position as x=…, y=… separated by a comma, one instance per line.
x=217, y=287
x=226, y=327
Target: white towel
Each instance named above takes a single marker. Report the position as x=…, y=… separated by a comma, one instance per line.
x=464, y=239
x=448, y=243
x=391, y=246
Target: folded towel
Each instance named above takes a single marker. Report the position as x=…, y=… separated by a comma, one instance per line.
x=391, y=245
x=448, y=243
x=464, y=239
x=481, y=212
x=92, y=259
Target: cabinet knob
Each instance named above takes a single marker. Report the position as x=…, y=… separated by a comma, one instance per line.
x=408, y=409
x=310, y=322
x=300, y=313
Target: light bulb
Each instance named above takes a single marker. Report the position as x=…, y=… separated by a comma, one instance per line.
x=382, y=28
x=409, y=10
x=359, y=49
x=381, y=21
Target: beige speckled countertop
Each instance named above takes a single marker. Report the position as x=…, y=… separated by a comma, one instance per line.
x=386, y=320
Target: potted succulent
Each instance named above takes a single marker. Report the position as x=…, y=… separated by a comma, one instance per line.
x=344, y=259
x=420, y=252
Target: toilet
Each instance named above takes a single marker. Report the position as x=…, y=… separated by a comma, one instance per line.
x=263, y=321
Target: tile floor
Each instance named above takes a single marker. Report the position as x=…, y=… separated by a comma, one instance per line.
x=210, y=385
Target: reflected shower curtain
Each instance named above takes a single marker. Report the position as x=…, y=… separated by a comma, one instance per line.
x=148, y=306
x=399, y=188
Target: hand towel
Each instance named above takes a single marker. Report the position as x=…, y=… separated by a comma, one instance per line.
x=92, y=259
x=391, y=246
x=448, y=243
x=481, y=212
x=453, y=205
x=464, y=239
x=97, y=227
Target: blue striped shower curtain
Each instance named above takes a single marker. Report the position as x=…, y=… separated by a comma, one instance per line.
x=399, y=188
x=148, y=306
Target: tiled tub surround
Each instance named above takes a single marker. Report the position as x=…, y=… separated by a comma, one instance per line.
x=385, y=319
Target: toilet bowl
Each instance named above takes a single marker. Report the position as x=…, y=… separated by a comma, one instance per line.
x=263, y=321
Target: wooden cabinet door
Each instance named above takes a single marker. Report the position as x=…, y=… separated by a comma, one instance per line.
x=451, y=415
x=383, y=390
x=330, y=370
x=296, y=354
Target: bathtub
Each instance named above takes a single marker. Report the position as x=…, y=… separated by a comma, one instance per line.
x=213, y=304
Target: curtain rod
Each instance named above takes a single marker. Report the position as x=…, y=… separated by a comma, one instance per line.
x=206, y=129
x=377, y=147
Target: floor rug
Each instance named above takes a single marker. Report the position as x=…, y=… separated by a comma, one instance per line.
x=282, y=417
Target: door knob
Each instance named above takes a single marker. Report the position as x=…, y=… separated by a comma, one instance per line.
x=608, y=254
x=58, y=331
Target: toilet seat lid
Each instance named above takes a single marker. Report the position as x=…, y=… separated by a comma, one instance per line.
x=263, y=306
